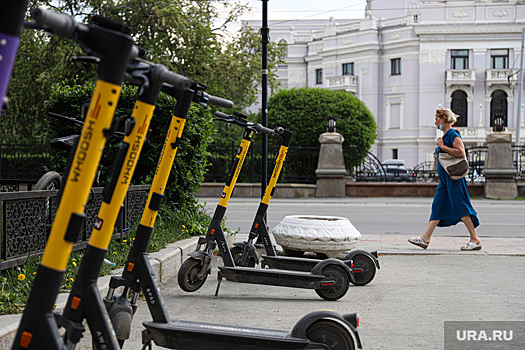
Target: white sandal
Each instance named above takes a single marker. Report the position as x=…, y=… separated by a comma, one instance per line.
x=419, y=242
x=471, y=246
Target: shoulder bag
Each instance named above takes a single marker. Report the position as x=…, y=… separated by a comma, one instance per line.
x=456, y=167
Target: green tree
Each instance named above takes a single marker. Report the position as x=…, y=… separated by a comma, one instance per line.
x=185, y=35
x=304, y=112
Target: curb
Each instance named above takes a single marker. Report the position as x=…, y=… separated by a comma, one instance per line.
x=164, y=263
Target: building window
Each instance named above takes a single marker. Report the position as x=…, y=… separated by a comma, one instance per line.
x=460, y=107
x=348, y=68
x=395, y=66
x=498, y=107
x=394, y=153
x=318, y=76
x=499, y=59
x=459, y=59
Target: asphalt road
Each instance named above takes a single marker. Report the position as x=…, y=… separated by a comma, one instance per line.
x=408, y=216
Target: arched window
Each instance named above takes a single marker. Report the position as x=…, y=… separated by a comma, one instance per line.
x=460, y=107
x=498, y=107
x=284, y=44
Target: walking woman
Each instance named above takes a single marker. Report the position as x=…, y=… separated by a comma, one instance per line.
x=451, y=202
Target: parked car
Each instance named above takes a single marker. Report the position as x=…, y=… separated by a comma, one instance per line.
x=396, y=171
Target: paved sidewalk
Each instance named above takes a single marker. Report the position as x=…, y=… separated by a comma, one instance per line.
x=397, y=244
x=440, y=245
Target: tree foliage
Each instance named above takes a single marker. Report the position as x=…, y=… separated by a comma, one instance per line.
x=191, y=160
x=189, y=37
x=304, y=112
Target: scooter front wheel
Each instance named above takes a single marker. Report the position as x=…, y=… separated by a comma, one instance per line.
x=367, y=265
x=331, y=334
x=188, y=277
x=339, y=289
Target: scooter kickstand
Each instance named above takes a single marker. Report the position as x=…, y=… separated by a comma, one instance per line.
x=219, y=280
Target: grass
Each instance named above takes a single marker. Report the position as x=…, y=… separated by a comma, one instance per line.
x=173, y=223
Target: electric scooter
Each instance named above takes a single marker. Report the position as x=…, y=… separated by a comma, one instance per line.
x=362, y=263
x=85, y=302
x=38, y=327
x=329, y=278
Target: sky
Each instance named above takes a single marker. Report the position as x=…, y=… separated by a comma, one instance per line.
x=307, y=9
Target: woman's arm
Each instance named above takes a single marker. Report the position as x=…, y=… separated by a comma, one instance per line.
x=457, y=149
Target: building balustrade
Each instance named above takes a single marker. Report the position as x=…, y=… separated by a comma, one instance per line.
x=343, y=82
x=501, y=76
x=460, y=76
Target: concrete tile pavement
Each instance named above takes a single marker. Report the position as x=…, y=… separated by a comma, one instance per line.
x=398, y=244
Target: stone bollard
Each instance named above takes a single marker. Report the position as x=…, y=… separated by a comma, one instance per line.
x=331, y=169
x=499, y=169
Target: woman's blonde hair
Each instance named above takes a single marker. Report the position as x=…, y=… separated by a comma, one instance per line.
x=447, y=114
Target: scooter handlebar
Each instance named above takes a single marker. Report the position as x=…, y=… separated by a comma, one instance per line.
x=222, y=115
x=219, y=101
x=264, y=130
x=179, y=82
x=59, y=23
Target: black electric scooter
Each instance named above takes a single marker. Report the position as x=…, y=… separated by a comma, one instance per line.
x=329, y=278
x=38, y=327
x=362, y=263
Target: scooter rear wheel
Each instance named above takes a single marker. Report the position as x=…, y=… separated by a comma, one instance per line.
x=331, y=334
x=188, y=275
x=237, y=256
x=338, y=274
x=368, y=266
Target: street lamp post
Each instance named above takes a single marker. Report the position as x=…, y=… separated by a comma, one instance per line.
x=264, y=96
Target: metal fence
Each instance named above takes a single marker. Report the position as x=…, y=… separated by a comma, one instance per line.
x=26, y=218
x=361, y=165
x=300, y=164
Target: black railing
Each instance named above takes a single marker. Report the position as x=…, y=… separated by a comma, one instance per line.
x=300, y=164
x=518, y=156
x=26, y=218
x=426, y=172
x=476, y=157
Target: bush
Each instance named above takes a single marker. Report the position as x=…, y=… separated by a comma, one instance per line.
x=191, y=161
x=304, y=112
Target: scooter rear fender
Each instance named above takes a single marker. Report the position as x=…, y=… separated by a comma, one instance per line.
x=318, y=268
x=373, y=255
x=301, y=327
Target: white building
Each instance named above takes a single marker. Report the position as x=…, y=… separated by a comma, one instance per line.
x=407, y=58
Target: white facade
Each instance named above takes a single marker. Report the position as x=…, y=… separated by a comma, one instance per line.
x=459, y=54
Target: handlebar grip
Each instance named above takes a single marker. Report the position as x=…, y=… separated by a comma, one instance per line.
x=219, y=101
x=179, y=82
x=264, y=130
x=221, y=115
x=59, y=23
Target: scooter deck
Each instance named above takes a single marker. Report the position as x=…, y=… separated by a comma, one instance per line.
x=283, y=278
x=289, y=263
x=186, y=335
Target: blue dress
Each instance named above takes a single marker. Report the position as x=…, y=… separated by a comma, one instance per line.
x=451, y=201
